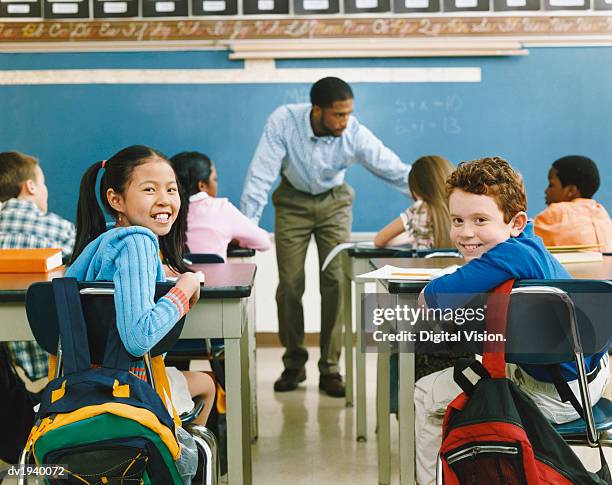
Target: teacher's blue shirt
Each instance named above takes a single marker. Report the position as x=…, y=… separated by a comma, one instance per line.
x=313, y=164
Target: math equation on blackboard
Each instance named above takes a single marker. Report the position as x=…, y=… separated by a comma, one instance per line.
x=419, y=116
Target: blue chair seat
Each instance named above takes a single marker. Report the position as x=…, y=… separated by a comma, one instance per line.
x=602, y=412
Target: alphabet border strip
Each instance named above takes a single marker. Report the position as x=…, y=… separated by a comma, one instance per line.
x=218, y=31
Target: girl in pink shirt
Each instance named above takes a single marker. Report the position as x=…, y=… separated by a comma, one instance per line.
x=212, y=223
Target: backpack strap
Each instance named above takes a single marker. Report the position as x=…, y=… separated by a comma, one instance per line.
x=604, y=472
x=467, y=373
x=115, y=354
x=73, y=332
x=163, y=387
x=494, y=353
x=72, y=327
x=565, y=392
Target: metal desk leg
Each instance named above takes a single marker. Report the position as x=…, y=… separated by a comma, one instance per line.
x=238, y=408
x=360, y=361
x=406, y=406
x=252, y=332
x=406, y=419
x=348, y=330
x=252, y=315
x=382, y=418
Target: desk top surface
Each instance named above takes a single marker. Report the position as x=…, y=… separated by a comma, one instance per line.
x=599, y=270
x=399, y=251
x=386, y=252
x=222, y=281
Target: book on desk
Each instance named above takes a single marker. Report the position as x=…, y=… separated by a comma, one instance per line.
x=583, y=253
x=39, y=260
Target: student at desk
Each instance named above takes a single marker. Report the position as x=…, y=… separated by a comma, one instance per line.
x=26, y=223
x=489, y=227
x=425, y=225
x=572, y=216
x=212, y=222
x=426, y=222
x=138, y=188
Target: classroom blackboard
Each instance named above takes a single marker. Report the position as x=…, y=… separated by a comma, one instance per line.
x=530, y=110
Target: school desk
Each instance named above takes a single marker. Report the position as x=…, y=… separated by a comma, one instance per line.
x=221, y=313
x=407, y=293
x=356, y=262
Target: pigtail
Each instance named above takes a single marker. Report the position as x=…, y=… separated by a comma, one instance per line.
x=90, y=218
x=174, y=244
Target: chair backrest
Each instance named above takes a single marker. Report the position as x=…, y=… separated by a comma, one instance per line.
x=204, y=258
x=97, y=300
x=539, y=329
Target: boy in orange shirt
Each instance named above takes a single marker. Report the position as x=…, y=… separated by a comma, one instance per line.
x=572, y=216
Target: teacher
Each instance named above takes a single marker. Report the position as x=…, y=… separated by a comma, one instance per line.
x=311, y=146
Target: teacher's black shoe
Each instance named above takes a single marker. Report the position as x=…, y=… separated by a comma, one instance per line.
x=289, y=379
x=332, y=384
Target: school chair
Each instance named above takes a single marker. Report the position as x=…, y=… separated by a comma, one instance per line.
x=437, y=253
x=577, y=312
x=204, y=258
x=85, y=335
x=556, y=321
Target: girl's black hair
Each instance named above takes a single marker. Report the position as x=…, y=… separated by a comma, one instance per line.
x=117, y=173
x=190, y=168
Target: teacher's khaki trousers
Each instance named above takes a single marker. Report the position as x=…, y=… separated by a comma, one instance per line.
x=328, y=217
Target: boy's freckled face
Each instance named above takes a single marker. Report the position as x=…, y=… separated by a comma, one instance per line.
x=477, y=223
x=151, y=198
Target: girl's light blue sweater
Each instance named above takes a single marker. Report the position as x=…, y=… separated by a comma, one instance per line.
x=129, y=257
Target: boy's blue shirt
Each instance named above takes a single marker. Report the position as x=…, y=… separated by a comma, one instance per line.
x=129, y=257
x=522, y=257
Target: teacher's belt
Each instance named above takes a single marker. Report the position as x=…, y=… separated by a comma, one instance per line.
x=320, y=194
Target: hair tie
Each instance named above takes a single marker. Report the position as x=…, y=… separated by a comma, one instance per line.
x=103, y=163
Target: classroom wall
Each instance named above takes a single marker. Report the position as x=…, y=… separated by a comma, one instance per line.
x=531, y=110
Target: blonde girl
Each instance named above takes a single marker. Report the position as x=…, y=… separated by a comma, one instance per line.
x=427, y=222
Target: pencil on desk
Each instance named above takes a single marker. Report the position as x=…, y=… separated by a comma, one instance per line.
x=411, y=274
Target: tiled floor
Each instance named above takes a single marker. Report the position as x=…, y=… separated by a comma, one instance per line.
x=306, y=437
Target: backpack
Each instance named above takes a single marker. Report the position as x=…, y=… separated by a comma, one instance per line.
x=493, y=433
x=103, y=424
x=16, y=409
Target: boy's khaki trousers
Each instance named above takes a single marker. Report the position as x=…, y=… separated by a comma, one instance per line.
x=299, y=215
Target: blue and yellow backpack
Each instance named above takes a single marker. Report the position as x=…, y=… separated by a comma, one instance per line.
x=98, y=420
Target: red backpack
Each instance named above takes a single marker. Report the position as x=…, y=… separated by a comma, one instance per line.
x=493, y=434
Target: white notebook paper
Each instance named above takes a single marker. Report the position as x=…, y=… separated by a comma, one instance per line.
x=389, y=272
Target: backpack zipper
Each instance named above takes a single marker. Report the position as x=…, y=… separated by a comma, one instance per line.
x=473, y=451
